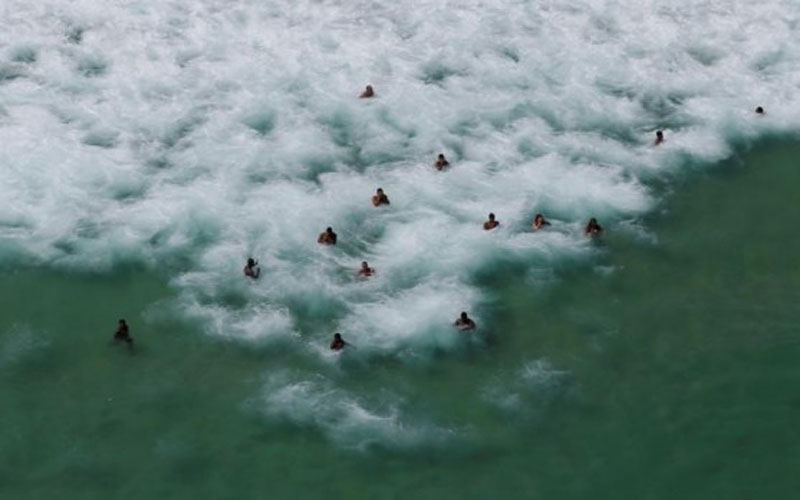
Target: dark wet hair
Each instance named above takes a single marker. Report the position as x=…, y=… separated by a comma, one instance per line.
x=759, y=110
x=251, y=262
x=538, y=216
x=491, y=216
x=441, y=155
x=364, y=263
x=337, y=335
x=329, y=229
x=593, y=225
x=659, y=133
x=463, y=315
x=380, y=190
x=122, y=321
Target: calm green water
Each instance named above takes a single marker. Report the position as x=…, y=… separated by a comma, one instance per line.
x=666, y=368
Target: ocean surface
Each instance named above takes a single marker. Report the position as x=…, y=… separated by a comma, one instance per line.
x=147, y=149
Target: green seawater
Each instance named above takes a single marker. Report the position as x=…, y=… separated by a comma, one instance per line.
x=668, y=368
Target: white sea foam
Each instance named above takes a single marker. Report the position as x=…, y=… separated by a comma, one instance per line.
x=190, y=135
x=345, y=418
x=523, y=393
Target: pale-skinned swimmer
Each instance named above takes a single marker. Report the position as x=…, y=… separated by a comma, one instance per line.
x=366, y=270
x=464, y=323
x=338, y=343
x=539, y=222
x=441, y=162
x=122, y=334
x=251, y=269
x=593, y=228
x=659, y=138
x=491, y=223
x=759, y=110
x=327, y=238
x=368, y=92
x=380, y=198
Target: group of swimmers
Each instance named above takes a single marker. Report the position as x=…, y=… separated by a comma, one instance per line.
x=464, y=322
x=539, y=222
x=660, y=134
x=328, y=237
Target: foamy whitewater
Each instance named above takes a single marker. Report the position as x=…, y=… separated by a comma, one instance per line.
x=188, y=136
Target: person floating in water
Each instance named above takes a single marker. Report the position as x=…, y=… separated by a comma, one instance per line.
x=759, y=110
x=122, y=334
x=441, y=162
x=327, y=238
x=659, y=138
x=380, y=198
x=539, y=222
x=366, y=270
x=491, y=223
x=464, y=323
x=368, y=92
x=593, y=228
x=251, y=269
x=338, y=343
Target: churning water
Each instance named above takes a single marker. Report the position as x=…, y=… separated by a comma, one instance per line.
x=184, y=137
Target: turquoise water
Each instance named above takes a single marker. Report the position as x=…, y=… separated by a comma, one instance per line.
x=665, y=367
x=149, y=148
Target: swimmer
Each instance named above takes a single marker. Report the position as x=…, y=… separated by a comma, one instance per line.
x=759, y=110
x=379, y=198
x=366, y=270
x=327, y=238
x=539, y=222
x=122, y=334
x=593, y=228
x=251, y=270
x=659, y=138
x=368, y=92
x=464, y=323
x=441, y=162
x=491, y=223
x=338, y=343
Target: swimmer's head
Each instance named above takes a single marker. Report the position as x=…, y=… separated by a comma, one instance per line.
x=464, y=315
x=659, y=135
x=759, y=110
x=380, y=190
x=122, y=322
x=364, y=265
x=538, y=218
x=491, y=216
x=328, y=229
x=441, y=156
x=337, y=336
x=251, y=262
